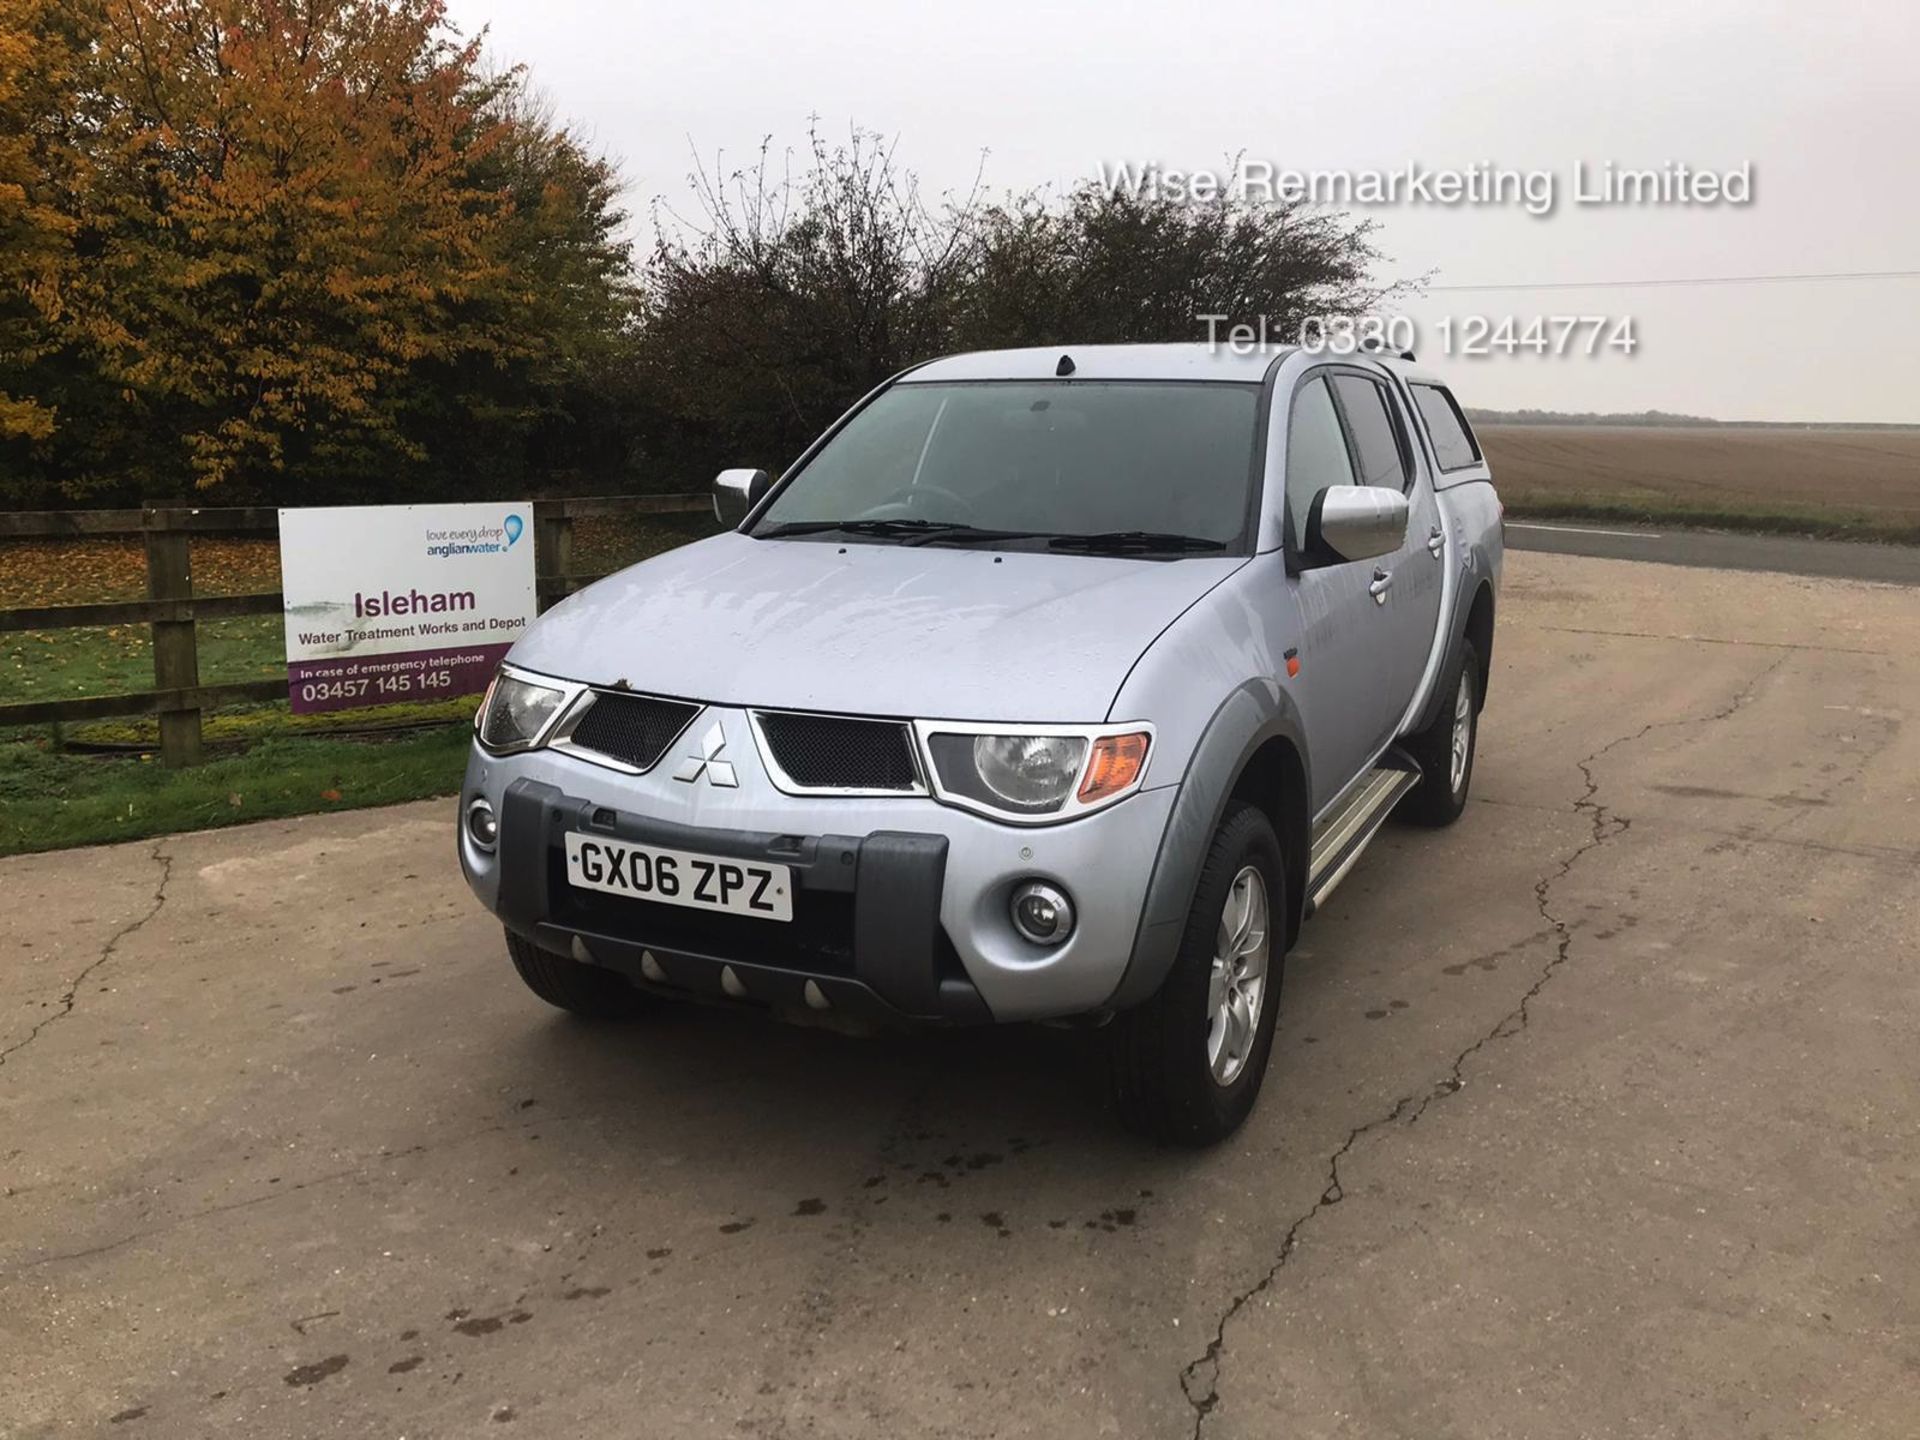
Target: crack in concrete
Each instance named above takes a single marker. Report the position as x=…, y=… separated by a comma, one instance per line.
x=71, y=997
x=1200, y=1380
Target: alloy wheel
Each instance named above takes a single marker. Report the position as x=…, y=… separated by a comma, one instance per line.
x=1462, y=732
x=1238, y=982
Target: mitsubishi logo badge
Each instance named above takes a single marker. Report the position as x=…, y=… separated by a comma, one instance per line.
x=706, y=761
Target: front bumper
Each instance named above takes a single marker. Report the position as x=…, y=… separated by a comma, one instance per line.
x=866, y=929
x=900, y=902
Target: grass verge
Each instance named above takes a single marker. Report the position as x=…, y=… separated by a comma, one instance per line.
x=1810, y=523
x=53, y=801
x=249, y=724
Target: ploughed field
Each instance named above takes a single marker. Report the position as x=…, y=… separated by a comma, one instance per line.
x=1825, y=480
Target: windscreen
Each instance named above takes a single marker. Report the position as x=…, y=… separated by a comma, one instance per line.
x=1037, y=459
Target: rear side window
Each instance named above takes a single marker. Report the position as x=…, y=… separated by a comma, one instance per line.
x=1453, y=442
x=1376, y=437
x=1316, y=452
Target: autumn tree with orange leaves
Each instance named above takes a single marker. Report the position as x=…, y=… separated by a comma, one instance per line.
x=38, y=59
x=287, y=249
x=310, y=251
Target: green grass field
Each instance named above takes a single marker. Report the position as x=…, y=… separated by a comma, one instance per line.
x=96, y=782
x=117, y=659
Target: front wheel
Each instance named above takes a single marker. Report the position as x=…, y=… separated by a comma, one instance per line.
x=1188, y=1063
x=1444, y=750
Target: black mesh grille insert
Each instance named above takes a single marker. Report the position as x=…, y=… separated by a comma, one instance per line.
x=634, y=729
x=832, y=752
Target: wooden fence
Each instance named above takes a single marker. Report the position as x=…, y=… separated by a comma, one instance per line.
x=173, y=610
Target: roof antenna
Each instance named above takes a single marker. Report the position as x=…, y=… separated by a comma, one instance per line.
x=1065, y=367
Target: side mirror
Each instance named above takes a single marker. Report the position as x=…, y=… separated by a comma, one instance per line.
x=735, y=492
x=1357, y=522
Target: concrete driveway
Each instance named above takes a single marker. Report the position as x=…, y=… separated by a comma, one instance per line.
x=1597, y=1115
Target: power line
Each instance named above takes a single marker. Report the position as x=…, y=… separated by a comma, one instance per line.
x=1695, y=280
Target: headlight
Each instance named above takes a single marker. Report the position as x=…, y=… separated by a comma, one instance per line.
x=1029, y=772
x=516, y=712
x=1037, y=775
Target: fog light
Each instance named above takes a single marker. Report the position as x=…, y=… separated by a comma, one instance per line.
x=1042, y=913
x=483, y=826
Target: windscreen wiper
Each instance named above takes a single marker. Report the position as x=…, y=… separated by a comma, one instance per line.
x=927, y=532
x=1121, y=541
x=913, y=532
x=886, y=529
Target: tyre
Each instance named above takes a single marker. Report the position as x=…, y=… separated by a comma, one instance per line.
x=1187, y=1064
x=1444, y=750
x=586, y=990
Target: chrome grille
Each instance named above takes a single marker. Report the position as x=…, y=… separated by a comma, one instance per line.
x=632, y=729
x=835, y=752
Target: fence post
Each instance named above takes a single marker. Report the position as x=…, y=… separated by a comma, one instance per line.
x=176, y=659
x=552, y=549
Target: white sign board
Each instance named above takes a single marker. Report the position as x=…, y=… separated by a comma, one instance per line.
x=402, y=602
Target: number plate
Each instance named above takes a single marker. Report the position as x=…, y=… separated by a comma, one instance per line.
x=679, y=877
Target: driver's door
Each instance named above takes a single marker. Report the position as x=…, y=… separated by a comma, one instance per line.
x=1406, y=582
x=1347, y=660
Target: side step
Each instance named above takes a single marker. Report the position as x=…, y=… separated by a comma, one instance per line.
x=1343, y=836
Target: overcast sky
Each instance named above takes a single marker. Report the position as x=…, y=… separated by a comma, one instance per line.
x=1821, y=100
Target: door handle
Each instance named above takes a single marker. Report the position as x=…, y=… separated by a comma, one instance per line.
x=1382, y=582
x=1436, y=542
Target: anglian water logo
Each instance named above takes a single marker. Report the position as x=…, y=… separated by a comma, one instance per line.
x=477, y=539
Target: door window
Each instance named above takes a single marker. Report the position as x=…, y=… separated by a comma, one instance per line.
x=1453, y=443
x=1316, y=452
x=1377, y=441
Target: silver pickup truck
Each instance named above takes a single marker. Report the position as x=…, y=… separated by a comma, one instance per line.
x=1046, y=685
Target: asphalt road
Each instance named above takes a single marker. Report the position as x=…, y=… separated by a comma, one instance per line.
x=1721, y=550
x=1592, y=1116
